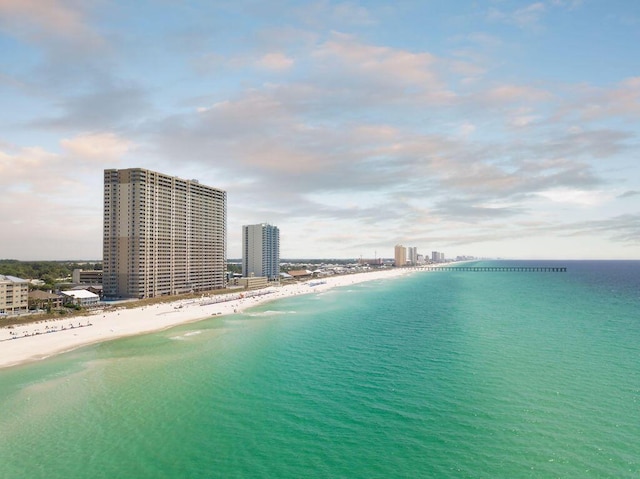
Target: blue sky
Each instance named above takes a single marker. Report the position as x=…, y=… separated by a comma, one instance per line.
x=491, y=128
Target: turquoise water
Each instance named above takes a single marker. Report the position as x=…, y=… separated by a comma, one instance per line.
x=433, y=375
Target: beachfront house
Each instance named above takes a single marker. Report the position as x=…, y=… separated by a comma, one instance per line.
x=301, y=274
x=43, y=300
x=80, y=297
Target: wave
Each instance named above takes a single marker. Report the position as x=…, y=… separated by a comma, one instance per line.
x=184, y=336
x=269, y=313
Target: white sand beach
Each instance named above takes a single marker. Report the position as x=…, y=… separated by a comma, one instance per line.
x=42, y=339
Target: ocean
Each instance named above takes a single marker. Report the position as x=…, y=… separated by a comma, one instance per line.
x=431, y=375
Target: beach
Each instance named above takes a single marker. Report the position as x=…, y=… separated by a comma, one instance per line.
x=42, y=339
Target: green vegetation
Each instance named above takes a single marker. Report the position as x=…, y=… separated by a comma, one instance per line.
x=234, y=268
x=51, y=272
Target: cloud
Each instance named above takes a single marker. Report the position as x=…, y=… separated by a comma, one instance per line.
x=620, y=228
x=568, y=4
x=593, y=143
x=504, y=94
x=52, y=202
x=469, y=210
x=573, y=196
x=466, y=128
x=58, y=47
x=29, y=170
x=398, y=67
x=629, y=194
x=96, y=147
x=525, y=17
x=523, y=117
x=365, y=134
x=276, y=61
x=324, y=126
x=351, y=71
x=43, y=21
x=323, y=12
x=106, y=107
x=32, y=168
x=318, y=170
x=622, y=100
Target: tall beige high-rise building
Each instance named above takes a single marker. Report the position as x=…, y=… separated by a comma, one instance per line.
x=162, y=235
x=400, y=255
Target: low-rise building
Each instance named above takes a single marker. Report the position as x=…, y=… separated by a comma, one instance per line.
x=253, y=282
x=89, y=276
x=43, y=300
x=94, y=288
x=80, y=297
x=301, y=273
x=14, y=295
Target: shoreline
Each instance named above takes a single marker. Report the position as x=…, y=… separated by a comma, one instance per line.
x=41, y=340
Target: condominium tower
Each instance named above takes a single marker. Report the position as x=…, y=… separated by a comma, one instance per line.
x=261, y=251
x=14, y=295
x=412, y=255
x=400, y=255
x=162, y=235
x=437, y=257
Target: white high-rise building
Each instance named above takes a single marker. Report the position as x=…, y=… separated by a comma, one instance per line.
x=412, y=255
x=162, y=235
x=437, y=257
x=261, y=251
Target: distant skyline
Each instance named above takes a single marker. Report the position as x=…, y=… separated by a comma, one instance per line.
x=490, y=128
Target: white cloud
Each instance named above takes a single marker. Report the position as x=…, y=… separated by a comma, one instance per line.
x=93, y=147
x=324, y=12
x=51, y=204
x=326, y=124
x=466, y=128
x=509, y=93
x=620, y=100
x=46, y=20
x=525, y=17
x=276, y=61
x=384, y=64
x=569, y=4
x=576, y=197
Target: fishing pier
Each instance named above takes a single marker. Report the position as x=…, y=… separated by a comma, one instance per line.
x=499, y=269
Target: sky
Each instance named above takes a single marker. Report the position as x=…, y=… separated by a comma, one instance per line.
x=491, y=128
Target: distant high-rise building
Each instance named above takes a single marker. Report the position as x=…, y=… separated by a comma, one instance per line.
x=162, y=235
x=412, y=255
x=437, y=257
x=400, y=255
x=261, y=251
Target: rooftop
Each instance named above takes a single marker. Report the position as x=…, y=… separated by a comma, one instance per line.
x=11, y=279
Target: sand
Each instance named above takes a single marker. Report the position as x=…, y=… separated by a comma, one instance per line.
x=40, y=340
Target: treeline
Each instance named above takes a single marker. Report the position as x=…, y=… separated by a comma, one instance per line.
x=319, y=261
x=51, y=272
